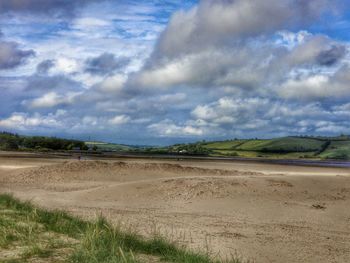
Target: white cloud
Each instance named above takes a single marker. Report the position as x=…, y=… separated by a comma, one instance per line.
x=90, y=22
x=342, y=108
x=174, y=73
x=232, y=116
x=119, y=120
x=312, y=86
x=214, y=22
x=52, y=99
x=230, y=111
x=291, y=39
x=112, y=84
x=167, y=128
x=23, y=121
x=237, y=69
x=67, y=65
x=90, y=121
x=318, y=86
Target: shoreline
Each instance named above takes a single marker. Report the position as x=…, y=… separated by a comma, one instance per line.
x=117, y=155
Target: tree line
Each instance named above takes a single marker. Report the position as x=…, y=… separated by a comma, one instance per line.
x=11, y=141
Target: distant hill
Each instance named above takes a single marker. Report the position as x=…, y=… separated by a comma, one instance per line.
x=11, y=141
x=112, y=147
x=292, y=147
x=286, y=147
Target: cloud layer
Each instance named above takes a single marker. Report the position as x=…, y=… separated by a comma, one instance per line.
x=43, y=7
x=157, y=72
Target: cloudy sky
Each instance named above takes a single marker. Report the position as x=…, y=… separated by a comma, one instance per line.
x=168, y=71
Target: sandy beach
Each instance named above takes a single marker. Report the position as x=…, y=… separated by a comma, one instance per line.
x=261, y=212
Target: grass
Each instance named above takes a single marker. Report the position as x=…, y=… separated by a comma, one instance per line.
x=257, y=154
x=284, y=148
x=337, y=150
x=287, y=144
x=292, y=147
x=224, y=145
x=102, y=146
x=30, y=234
x=280, y=145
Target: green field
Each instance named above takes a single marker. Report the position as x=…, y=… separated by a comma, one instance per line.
x=292, y=147
x=30, y=234
x=337, y=150
x=282, y=145
x=104, y=146
x=285, y=148
x=226, y=145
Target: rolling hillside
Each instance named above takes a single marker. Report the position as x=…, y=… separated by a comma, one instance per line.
x=292, y=147
x=287, y=147
x=109, y=147
x=337, y=150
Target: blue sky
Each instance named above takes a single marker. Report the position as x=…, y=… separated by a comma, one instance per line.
x=162, y=72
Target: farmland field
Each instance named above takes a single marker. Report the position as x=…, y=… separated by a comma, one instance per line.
x=103, y=146
x=337, y=150
x=283, y=148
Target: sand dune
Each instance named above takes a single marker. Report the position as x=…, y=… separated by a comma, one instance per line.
x=264, y=213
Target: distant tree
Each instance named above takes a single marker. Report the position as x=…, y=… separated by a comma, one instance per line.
x=193, y=149
x=10, y=145
x=14, y=141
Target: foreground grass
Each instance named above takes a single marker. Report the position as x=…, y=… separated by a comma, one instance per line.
x=30, y=234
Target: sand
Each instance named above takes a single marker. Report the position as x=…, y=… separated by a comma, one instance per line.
x=261, y=212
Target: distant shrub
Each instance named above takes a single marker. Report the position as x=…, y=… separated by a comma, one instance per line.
x=338, y=156
x=193, y=149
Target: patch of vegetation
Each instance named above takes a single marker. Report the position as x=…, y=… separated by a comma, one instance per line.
x=281, y=148
x=339, y=150
x=294, y=147
x=193, y=149
x=109, y=147
x=190, y=149
x=10, y=141
x=324, y=147
x=224, y=145
x=30, y=234
x=283, y=145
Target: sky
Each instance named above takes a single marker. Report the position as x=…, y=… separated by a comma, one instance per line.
x=162, y=72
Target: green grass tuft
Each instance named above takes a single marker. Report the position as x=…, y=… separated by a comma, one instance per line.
x=37, y=233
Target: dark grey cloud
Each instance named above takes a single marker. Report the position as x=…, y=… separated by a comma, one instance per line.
x=44, y=7
x=331, y=56
x=12, y=56
x=44, y=66
x=59, y=83
x=106, y=63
